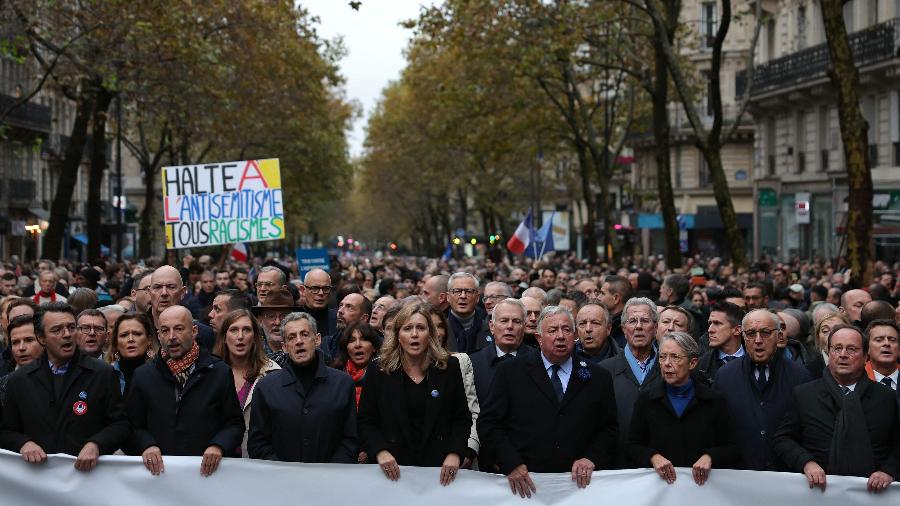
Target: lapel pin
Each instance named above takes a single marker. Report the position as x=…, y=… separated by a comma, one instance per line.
x=435, y=394
x=82, y=395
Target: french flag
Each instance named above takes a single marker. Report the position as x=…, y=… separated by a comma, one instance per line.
x=239, y=252
x=521, y=238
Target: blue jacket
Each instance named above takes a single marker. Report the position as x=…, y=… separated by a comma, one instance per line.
x=757, y=415
x=293, y=425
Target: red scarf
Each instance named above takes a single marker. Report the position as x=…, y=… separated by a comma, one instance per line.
x=357, y=375
x=181, y=366
x=37, y=297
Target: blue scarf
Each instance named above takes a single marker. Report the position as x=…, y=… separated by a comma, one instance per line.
x=681, y=396
x=640, y=373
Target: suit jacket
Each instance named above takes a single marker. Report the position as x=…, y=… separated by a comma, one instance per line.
x=757, y=414
x=484, y=363
x=627, y=388
x=293, y=425
x=89, y=408
x=521, y=421
x=384, y=419
x=705, y=427
x=203, y=413
x=805, y=433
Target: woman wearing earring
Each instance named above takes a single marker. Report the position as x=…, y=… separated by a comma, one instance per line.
x=131, y=346
x=413, y=407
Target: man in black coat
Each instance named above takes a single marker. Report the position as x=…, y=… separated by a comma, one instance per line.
x=306, y=412
x=183, y=402
x=551, y=412
x=593, y=328
x=467, y=331
x=507, y=326
x=725, y=344
x=842, y=423
x=758, y=407
x=636, y=368
x=65, y=401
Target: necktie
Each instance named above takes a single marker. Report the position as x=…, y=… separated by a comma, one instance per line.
x=728, y=358
x=888, y=381
x=497, y=360
x=761, y=377
x=845, y=390
x=557, y=383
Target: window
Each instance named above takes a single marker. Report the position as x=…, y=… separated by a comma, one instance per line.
x=848, y=15
x=770, y=147
x=708, y=104
x=770, y=39
x=708, y=24
x=801, y=27
x=871, y=13
x=704, y=180
x=823, y=138
x=800, y=129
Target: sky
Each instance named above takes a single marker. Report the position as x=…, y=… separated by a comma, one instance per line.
x=374, y=41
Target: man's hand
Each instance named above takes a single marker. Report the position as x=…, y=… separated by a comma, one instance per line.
x=663, y=468
x=211, y=458
x=702, y=468
x=388, y=465
x=581, y=472
x=815, y=475
x=87, y=457
x=33, y=453
x=879, y=481
x=153, y=460
x=520, y=481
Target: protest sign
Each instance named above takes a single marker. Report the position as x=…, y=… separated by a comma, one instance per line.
x=312, y=258
x=222, y=203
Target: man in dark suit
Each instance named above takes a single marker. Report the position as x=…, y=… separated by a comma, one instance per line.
x=884, y=353
x=507, y=326
x=842, y=423
x=550, y=412
x=184, y=401
x=64, y=401
x=757, y=406
x=725, y=345
x=467, y=330
x=636, y=368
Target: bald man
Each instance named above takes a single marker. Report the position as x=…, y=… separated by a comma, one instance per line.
x=167, y=290
x=852, y=302
x=316, y=292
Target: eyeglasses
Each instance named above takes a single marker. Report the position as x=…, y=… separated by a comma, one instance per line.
x=634, y=322
x=460, y=291
x=319, y=289
x=87, y=329
x=272, y=315
x=762, y=333
x=494, y=297
x=264, y=284
x=61, y=329
x=168, y=288
x=851, y=350
x=671, y=357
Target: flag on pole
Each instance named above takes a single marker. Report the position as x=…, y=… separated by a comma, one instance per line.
x=239, y=252
x=522, y=237
x=448, y=252
x=544, y=236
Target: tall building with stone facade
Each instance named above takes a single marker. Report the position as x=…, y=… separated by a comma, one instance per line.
x=799, y=173
x=702, y=230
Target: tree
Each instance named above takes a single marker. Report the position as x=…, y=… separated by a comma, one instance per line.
x=709, y=141
x=854, y=136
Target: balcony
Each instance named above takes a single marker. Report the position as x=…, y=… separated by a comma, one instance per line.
x=30, y=116
x=875, y=44
x=18, y=192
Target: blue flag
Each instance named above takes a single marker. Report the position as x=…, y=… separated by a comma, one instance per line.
x=544, y=236
x=448, y=252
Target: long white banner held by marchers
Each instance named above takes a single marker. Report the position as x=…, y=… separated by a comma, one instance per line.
x=124, y=480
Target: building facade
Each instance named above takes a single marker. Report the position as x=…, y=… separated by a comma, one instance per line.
x=799, y=179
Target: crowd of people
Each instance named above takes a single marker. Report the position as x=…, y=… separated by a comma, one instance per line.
x=478, y=363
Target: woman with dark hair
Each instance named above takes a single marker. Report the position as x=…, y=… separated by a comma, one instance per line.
x=133, y=343
x=357, y=347
x=413, y=408
x=240, y=344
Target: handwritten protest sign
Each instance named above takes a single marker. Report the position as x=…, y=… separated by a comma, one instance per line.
x=222, y=203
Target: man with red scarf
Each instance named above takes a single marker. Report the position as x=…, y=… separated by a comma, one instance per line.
x=184, y=401
x=47, y=281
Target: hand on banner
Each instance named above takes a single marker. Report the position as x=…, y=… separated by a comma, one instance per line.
x=815, y=475
x=702, y=468
x=211, y=458
x=520, y=481
x=879, y=481
x=87, y=457
x=663, y=467
x=449, y=468
x=388, y=464
x=153, y=460
x=581, y=472
x=33, y=453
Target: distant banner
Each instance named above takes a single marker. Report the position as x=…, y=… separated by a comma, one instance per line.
x=312, y=258
x=222, y=203
x=124, y=480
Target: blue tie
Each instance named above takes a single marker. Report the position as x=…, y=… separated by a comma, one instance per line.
x=845, y=390
x=761, y=379
x=557, y=383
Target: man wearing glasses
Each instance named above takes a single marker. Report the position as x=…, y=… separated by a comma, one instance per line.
x=468, y=330
x=269, y=280
x=316, y=291
x=842, y=423
x=91, y=332
x=758, y=388
x=64, y=401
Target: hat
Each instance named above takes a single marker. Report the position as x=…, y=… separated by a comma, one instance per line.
x=280, y=300
x=796, y=287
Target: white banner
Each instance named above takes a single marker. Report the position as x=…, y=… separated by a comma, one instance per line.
x=124, y=480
